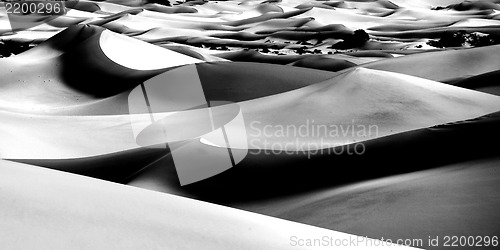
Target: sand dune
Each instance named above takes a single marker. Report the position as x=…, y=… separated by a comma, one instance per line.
x=378, y=208
x=362, y=97
x=68, y=109
x=420, y=103
x=425, y=118
x=76, y=210
x=78, y=66
x=322, y=176
x=57, y=74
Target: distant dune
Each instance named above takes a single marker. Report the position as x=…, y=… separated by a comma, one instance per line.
x=444, y=65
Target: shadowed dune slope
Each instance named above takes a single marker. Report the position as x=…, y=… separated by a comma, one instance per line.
x=78, y=66
x=487, y=83
x=76, y=210
x=454, y=199
x=382, y=207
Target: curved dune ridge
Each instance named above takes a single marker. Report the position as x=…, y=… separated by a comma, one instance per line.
x=312, y=89
x=143, y=56
x=390, y=102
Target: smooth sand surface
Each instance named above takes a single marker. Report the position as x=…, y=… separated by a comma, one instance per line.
x=444, y=65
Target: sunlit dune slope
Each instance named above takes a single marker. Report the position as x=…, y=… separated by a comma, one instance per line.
x=444, y=65
x=392, y=102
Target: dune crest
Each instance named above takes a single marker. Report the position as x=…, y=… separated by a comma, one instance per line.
x=391, y=102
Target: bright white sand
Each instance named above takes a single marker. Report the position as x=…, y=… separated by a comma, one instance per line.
x=143, y=56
